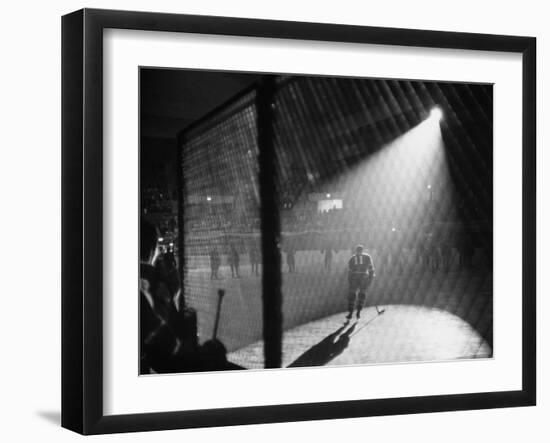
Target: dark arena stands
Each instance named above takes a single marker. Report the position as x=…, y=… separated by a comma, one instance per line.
x=267, y=197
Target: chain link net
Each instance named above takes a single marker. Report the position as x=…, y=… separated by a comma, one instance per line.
x=358, y=161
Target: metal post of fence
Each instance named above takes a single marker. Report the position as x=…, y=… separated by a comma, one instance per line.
x=271, y=277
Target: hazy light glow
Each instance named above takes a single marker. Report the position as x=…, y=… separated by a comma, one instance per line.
x=393, y=187
x=431, y=334
x=327, y=205
x=436, y=114
x=208, y=198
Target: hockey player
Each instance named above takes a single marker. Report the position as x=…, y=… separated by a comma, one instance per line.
x=328, y=256
x=233, y=260
x=254, y=254
x=360, y=276
x=215, y=262
x=291, y=259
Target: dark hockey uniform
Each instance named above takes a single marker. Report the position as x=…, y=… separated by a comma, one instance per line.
x=360, y=276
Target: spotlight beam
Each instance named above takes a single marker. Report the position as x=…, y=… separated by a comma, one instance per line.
x=436, y=114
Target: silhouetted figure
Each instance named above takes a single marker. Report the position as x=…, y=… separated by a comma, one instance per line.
x=163, y=346
x=291, y=259
x=360, y=276
x=215, y=262
x=328, y=251
x=166, y=265
x=254, y=255
x=396, y=251
x=213, y=357
x=213, y=354
x=233, y=260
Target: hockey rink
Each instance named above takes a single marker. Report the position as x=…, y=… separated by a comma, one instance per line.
x=430, y=315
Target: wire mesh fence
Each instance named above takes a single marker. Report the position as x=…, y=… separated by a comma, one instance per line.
x=403, y=168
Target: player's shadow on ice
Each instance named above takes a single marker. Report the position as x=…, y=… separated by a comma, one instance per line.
x=327, y=349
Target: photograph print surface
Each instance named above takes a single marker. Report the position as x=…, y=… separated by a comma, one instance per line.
x=299, y=221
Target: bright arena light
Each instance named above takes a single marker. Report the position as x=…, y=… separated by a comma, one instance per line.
x=397, y=181
x=208, y=198
x=437, y=114
x=328, y=195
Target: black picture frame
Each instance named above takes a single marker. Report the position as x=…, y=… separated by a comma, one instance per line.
x=82, y=219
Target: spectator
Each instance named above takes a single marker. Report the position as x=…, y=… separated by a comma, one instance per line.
x=328, y=251
x=162, y=347
x=215, y=262
x=233, y=260
x=254, y=255
x=290, y=259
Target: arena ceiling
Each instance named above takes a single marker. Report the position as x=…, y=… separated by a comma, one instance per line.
x=172, y=99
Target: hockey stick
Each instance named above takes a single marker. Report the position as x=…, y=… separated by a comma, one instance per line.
x=378, y=310
x=221, y=293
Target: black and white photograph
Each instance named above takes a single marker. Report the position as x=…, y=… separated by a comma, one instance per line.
x=322, y=221
x=291, y=221
x=275, y=222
